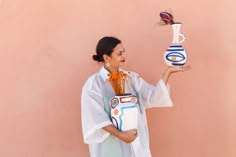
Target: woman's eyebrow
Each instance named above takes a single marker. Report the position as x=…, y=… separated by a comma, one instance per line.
x=122, y=50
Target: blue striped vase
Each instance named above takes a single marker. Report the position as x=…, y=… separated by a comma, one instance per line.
x=176, y=55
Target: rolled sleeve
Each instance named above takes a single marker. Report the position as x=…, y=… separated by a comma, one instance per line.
x=156, y=96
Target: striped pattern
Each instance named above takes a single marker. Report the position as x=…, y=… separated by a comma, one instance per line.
x=175, y=55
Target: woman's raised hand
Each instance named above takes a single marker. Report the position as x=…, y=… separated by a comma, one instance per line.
x=174, y=69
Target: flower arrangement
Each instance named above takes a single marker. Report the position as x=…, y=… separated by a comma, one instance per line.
x=166, y=18
x=117, y=81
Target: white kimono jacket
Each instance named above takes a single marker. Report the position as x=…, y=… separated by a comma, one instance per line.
x=96, y=94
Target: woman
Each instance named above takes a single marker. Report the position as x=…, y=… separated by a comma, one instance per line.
x=104, y=139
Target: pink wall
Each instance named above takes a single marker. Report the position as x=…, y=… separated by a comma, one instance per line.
x=45, y=58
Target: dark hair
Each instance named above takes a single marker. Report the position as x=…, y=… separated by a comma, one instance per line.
x=105, y=46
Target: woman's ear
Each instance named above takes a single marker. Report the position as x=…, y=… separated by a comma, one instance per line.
x=106, y=58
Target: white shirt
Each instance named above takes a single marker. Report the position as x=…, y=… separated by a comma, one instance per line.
x=96, y=94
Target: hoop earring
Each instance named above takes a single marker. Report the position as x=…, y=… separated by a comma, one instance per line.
x=108, y=64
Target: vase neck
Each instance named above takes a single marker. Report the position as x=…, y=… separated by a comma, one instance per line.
x=176, y=32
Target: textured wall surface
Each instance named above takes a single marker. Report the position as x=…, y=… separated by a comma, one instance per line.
x=45, y=58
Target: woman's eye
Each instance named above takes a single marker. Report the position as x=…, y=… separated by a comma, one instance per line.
x=121, y=52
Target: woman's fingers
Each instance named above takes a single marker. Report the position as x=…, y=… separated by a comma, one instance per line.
x=173, y=69
x=185, y=68
x=130, y=135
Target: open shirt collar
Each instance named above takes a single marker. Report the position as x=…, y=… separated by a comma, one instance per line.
x=104, y=73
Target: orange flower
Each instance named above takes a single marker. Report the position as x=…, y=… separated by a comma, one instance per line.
x=117, y=80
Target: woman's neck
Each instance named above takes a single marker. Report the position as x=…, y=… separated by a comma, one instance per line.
x=111, y=69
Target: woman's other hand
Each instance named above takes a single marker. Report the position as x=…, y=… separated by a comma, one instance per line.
x=129, y=135
x=126, y=136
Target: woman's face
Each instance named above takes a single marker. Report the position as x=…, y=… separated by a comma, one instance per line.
x=117, y=57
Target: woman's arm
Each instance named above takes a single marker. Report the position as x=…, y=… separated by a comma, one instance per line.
x=159, y=95
x=126, y=136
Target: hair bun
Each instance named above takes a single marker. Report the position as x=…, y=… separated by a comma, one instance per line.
x=95, y=57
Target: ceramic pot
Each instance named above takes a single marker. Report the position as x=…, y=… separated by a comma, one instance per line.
x=124, y=112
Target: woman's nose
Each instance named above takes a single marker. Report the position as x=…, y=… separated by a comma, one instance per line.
x=124, y=55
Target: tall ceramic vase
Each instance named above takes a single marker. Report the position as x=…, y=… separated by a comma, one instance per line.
x=124, y=112
x=176, y=55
